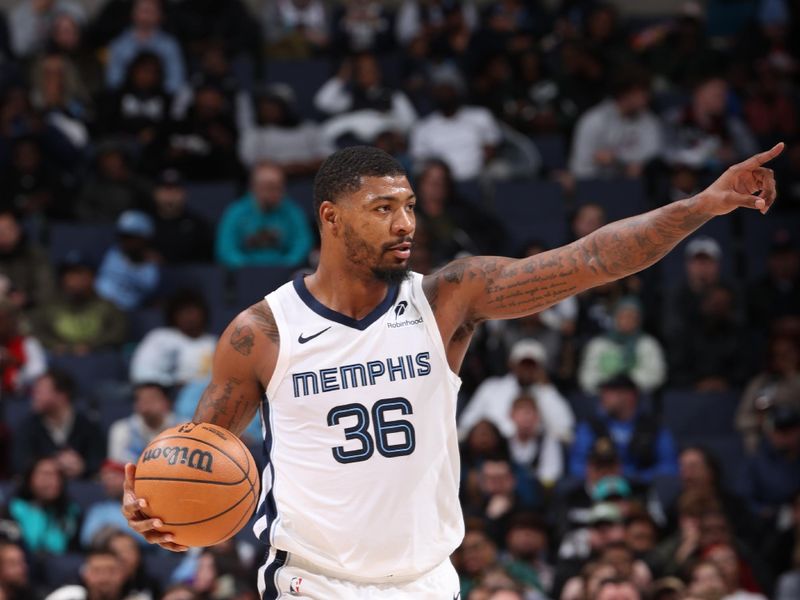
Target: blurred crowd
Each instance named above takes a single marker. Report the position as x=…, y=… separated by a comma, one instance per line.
x=638, y=441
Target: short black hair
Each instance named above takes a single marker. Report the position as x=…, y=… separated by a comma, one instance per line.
x=342, y=171
x=184, y=298
x=62, y=381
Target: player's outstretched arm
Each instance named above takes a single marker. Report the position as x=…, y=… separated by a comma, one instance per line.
x=480, y=288
x=245, y=357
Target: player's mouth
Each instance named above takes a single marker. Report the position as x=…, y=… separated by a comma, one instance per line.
x=401, y=251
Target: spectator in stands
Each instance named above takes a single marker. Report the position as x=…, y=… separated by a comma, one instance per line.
x=360, y=105
x=706, y=580
x=102, y=577
x=435, y=21
x=138, y=582
x=454, y=224
x=617, y=589
x=777, y=293
x=265, y=227
x=22, y=357
x=61, y=98
x=739, y=579
x=67, y=38
x=465, y=137
x=295, y=28
x=703, y=257
x=494, y=397
x=48, y=519
x=770, y=110
x=113, y=186
x=704, y=134
x=620, y=136
x=782, y=550
x=646, y=448
x=202, y=145
x=588, y=217
x=273, y=131
x=152, y=414
x=777, y=385
x=145, y=35
x=641, y=534
x=105, y=515
x=138, y=111
x=476, y=556
x=182, y=351
x=573, y=503
x=129, y=273
x=14, y=573
x=527, y=558
x=624, y=349
x=711, y=355
x=58, y=430
x=772, y=474
x=533, y=449
x=24, y=263
x=29, y=23
x=180, y=235
x=180, y=592
x=362, y=25
x=77, y=321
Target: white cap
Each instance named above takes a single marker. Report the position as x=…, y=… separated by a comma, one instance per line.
x=703, y=245
x=528, y=349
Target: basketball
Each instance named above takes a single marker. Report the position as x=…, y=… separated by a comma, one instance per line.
x=200, y=480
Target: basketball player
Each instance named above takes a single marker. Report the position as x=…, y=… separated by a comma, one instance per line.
x=355, y=370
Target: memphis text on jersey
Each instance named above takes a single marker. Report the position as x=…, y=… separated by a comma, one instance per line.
x=356, y=375
x=201, y=460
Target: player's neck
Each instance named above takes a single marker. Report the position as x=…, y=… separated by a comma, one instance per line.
x=346, y=292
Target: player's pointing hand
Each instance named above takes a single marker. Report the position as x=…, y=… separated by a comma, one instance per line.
x=138, y=521
x=748, y=184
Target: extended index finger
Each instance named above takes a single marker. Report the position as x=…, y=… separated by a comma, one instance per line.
x=762, y=158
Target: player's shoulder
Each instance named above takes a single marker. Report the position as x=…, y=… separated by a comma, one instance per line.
x=255, y=320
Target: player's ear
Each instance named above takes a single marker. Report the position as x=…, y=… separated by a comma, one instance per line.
x=329, y=215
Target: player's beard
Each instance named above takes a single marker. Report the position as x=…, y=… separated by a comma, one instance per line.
x=360, y=253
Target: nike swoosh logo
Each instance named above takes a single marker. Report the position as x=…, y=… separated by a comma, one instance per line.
x=303, y=340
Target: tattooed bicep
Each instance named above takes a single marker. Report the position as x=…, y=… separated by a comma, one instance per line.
x=263, y=319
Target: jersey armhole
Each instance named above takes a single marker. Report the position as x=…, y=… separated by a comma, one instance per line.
x=284, y=344
x=429, y=320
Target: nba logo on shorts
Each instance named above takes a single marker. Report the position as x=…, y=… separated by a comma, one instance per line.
x=294, y=585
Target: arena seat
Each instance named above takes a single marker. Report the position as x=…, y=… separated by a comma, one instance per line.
x=15, y=412
x=757, y=234
x=207, y=279
x=161, y=565
x=691, y=415
x=92, y=370
x=91, y=240
x=302, y=192
x=85, y=493
x=667, y=489
x=64, y=569
x=208, y=200
x=619, y=197
x=583, y=405
x=113, y=404
x=251, y=284
x=729, y=451
x=530, y=210
x=142, y=321
x=305, y=78
x=552, y=149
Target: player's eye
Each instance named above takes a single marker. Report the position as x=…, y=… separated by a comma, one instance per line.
x=411, y=206
x=383, y=208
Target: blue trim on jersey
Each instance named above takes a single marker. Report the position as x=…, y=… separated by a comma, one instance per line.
x=270, y=587
x=332, y=315
x=268, y=509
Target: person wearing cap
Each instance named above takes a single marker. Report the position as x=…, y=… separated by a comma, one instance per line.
x=624, y=349
x=494, y=397
x=56, y=428
x=646, y=448
x=360, y=105
x=265, y=228
x=77, y=320
x=703, y=256
x=273, y=131
x=129, y=273
x=465, y=137
x=104, y=515
x=772, y=474
x=180, y=235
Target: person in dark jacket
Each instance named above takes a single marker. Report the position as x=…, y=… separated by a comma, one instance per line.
x=56, y=428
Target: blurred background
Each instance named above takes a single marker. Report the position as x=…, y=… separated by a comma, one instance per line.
x=641, y=440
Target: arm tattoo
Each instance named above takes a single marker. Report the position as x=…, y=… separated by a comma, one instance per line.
x=501, y=288
x=262, y=316
x=242, y=340
x=219, y=407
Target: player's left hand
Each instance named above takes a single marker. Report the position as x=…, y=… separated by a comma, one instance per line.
x=738, y=185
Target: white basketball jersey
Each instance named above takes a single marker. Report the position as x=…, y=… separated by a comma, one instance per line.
x=359, y=426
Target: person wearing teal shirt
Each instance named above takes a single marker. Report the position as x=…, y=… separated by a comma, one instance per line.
x=265, y=228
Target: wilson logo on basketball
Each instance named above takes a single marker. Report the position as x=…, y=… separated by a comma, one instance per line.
x=198, y=459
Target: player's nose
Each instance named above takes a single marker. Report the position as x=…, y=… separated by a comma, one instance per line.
x=403, y=223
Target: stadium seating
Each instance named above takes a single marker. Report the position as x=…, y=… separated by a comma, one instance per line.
x=692, y=415
x=553, y=151
x=304, y=79
x=89, y=239
x=252, y=283
x=302, y=192
x=208, y=200
x=57, y=570
x=757, y=233
x=531, y=210
x=85, y=493
x=92, y=370
x=161, y=565
x=619, y=197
